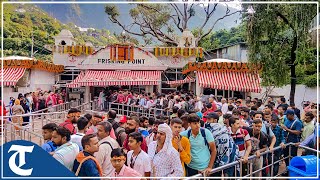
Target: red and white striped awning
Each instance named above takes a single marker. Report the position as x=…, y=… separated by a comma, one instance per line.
x=11, y=75
x=235, y=81
x=185, y=80
x=75, y=83
x=122, y=78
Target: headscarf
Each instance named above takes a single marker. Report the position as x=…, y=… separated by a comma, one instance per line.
x=17, y=102
x=168, y=142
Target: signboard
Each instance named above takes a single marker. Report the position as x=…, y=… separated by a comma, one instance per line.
x=109, y=61
x=142, y=60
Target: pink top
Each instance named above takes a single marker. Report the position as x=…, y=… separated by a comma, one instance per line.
x=126, y=172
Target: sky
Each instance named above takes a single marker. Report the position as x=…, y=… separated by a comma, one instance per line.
x=231, y=3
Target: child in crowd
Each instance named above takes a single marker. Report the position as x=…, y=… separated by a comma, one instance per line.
x=138, y=159
x=118, y=159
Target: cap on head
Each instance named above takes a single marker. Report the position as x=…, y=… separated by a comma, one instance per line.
x=123, y=119
x=289, y=111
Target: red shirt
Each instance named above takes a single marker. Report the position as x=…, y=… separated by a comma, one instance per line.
x=214, y=107
x=144, y=146
x=2, y=106
x=120, y=98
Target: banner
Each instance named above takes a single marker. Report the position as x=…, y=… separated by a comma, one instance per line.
x=26, y=159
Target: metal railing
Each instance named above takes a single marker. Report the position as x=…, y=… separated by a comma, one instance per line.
x=92, y=105
x=237, y=165
x=59, y=107
x=32, y=131
x=13, y=132
x=123, y=109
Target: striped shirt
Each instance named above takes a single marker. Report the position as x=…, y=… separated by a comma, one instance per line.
x=240, y=138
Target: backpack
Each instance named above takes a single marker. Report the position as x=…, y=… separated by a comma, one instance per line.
x=42, y=104
x=118, y=130
x=203, y=133
x=189, y=107
x=165, y=103
x=66, y=123
x=106, y=142
x=269, y=138
x=50, y=102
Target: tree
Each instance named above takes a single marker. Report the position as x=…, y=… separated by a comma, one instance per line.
x=278, y=38
x=222, y=37
x=162, y=21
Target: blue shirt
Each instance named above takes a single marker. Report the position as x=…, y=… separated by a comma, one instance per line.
x=297, y=126
x=49, y=146
x=278, y=132
x=199, y=150
x=142, y=102
x=144, y=132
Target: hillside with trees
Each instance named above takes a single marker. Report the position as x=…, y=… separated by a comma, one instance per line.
x=24, y=21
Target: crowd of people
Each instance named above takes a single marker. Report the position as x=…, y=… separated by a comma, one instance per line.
x=31, y=102
x=199, y=135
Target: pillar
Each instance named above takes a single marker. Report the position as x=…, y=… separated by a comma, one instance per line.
x=87, y=94
x=149, y=89
x=199, y=90
x=159, y=87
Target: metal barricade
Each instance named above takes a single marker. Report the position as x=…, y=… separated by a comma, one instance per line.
x=59, y=107
x=237, y=165
x=123, y=109
x=55, y=108
x=33, y=130
x=13, y=132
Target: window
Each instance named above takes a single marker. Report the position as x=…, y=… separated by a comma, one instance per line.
x=124, y=53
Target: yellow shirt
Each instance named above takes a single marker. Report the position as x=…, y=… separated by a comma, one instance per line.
x=185, y=155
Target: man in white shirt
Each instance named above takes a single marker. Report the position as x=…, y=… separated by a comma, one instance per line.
x=106, y=145
x=198, y=104
x=82, y=125
x=67, y=151
x=149, y=103
x=137, y=159
x=224, y=107
x=165, y=159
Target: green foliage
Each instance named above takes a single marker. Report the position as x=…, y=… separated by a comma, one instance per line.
x=311, y=81
x=112, y=11
x=222, y=37
x=270, y=36
x=23, y=21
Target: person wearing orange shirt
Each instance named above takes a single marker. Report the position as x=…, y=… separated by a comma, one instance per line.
x=180, y=143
